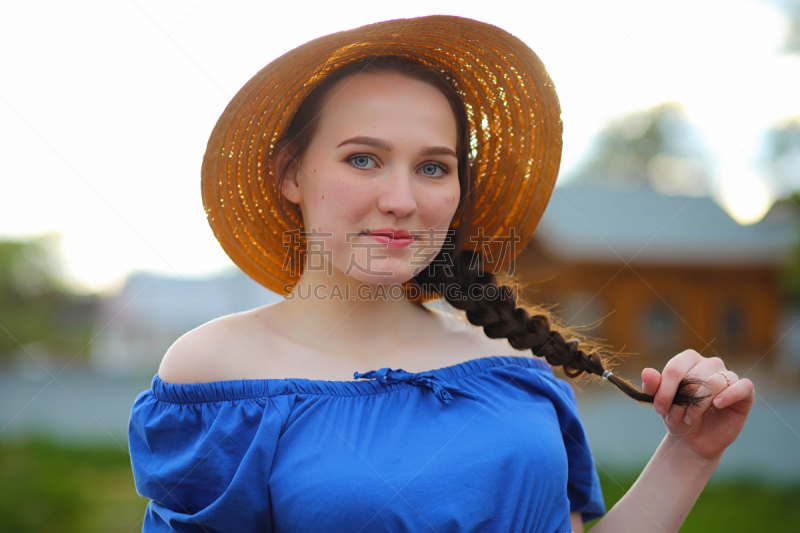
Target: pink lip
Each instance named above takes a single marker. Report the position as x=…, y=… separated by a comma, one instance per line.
x=391, y=237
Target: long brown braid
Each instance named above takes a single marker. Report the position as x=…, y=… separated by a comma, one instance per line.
x=503, y=317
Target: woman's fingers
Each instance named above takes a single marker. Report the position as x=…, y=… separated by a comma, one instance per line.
x=675, y=370
x=651, y=379
x=716, y=383
x=723, y=386
x=676, y=415
x=740, y=391
x=722, y=379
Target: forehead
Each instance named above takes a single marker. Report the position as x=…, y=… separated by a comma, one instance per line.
x=386, y=102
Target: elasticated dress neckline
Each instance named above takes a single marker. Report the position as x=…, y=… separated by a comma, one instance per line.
x=490, y=444
x=241, y=389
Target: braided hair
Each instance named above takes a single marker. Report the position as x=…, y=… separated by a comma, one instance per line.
x=504, y=317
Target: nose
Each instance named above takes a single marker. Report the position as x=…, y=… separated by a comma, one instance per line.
x=397, y=195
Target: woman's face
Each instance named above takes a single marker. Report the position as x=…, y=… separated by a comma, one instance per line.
x=383, y=157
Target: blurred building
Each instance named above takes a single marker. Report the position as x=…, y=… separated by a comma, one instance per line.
x=655, y=274
x=135, y=327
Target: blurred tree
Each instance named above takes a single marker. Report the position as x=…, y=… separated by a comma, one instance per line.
x=791, y=273
x=783, y=161
x=782, y=158
x=782, y=142
x=655, y=147
x=35, y=307
x=792, y=44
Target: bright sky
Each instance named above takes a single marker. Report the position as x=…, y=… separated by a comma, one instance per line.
x=106, y=106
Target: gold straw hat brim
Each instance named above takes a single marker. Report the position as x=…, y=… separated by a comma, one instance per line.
x=515, y=138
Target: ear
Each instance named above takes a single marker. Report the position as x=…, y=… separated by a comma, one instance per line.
x=290, y=187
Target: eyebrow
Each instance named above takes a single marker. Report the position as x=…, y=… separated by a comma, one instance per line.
x=387, y=146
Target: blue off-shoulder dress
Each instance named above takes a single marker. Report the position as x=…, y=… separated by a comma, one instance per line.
x=491, y=444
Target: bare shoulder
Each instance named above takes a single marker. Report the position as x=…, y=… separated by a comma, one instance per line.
x=209, y=352
x=195, y=356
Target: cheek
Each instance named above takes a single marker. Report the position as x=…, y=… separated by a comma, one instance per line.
x=438, y=206
x=338, y=207
x=349, y=201
x=329, y=197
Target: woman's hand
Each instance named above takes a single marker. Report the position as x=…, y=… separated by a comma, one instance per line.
x=712, y=426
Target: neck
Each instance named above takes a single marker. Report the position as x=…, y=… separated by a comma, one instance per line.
x=340, y=312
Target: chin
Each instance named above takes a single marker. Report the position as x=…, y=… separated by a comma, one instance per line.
x=396, y=278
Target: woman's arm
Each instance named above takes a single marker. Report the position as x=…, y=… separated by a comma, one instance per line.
x=663, y=495
x=696, y=437
x=577, y=522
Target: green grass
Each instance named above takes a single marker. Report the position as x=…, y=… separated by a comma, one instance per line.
x=51, y=487
x=740, y=505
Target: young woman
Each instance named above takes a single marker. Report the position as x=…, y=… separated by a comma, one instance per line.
x=362, y=175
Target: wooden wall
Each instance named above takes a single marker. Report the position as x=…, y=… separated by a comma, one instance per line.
x=651, y=312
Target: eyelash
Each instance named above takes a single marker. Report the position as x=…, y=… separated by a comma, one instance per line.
x=445, y=170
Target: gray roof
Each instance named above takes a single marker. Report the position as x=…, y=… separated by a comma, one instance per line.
x=585, y=223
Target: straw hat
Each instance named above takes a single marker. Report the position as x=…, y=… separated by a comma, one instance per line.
x=514, y=120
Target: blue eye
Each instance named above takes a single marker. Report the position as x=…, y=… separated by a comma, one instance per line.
x=429, y=169
x=362, y=161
